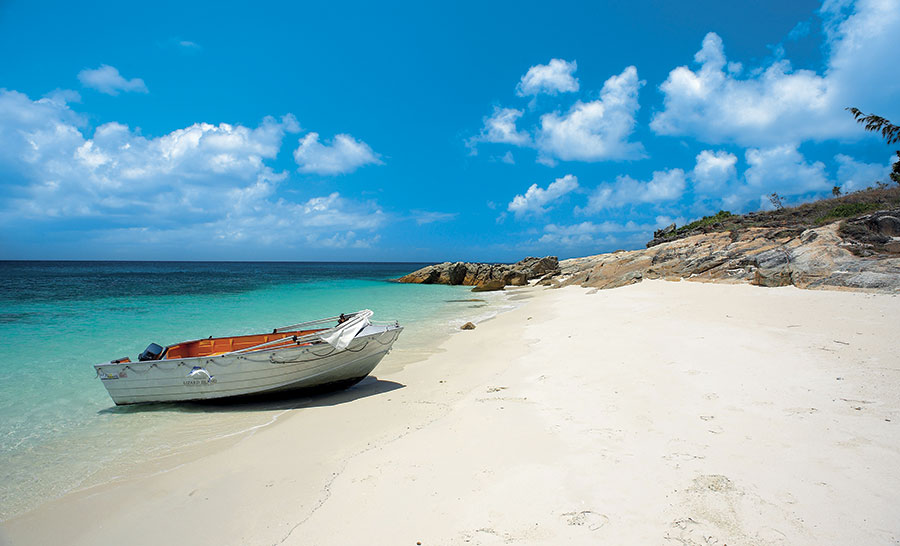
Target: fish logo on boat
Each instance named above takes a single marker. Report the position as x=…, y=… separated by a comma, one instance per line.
x=197, y=371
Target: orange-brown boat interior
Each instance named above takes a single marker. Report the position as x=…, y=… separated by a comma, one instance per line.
x=218, y=345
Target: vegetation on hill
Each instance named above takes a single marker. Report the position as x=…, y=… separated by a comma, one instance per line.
x=794, y=220
x=791, y=220
x=863, y=225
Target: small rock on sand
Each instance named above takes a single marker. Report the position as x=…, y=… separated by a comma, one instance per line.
x=467, y=326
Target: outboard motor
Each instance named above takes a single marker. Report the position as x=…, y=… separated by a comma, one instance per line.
x=152, y=352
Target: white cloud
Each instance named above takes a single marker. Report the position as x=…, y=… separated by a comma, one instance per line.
x=715, y=106
x=552, y=78
x=855, y=175
x=344, y=155
x=500, y=128
x=783, y=169
x=189, y=44
x=199, y=184
x=596, y=130
x=536, y=198
x=714, y=170
x=590, y=233
x=423, y=217
x=662, y=186
x=508, y=158
x=63, y=96
x=780, y=169
x=107, y=79
x=321, y=222
x=572, y=235
x=777, y=104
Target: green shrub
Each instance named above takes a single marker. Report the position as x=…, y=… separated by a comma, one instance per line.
x=705, y=221
x=847, y=210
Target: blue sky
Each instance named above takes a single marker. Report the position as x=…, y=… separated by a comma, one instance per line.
x=424, y=132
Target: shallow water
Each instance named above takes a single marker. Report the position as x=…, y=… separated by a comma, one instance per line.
x=59, y=428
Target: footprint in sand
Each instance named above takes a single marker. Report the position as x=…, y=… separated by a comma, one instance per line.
x=800, y=411
x=683, y=523
x=682, y=457
x=485, y=535
x=713, y=482
x=586, y=518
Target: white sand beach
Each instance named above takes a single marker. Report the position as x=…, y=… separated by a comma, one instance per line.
x=657, y=413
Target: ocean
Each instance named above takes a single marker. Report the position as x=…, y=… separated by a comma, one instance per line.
x=60, y=430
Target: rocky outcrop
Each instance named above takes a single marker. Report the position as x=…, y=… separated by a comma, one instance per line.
x=485, y=276
x=814, y=258
x=861, y=253
x=873, y=233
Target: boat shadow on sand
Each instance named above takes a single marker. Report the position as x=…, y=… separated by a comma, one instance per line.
x=306, y=398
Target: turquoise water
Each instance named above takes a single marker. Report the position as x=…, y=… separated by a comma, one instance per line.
x=59, y=428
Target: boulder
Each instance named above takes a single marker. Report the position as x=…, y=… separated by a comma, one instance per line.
x=888, y=225
x=456, y=273
x=871, y=234
x=537, y=267
x=490, y=286
x=664, y=231
x=485, y=275
x=515, y=278
x=772, y=268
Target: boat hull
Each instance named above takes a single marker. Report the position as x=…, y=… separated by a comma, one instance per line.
x=255, y=373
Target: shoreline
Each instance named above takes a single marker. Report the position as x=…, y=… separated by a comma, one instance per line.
x=573, y=417
x=110, y=441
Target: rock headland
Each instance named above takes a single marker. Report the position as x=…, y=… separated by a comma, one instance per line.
x=858, y=253
x=822, y=257
x=485, y=276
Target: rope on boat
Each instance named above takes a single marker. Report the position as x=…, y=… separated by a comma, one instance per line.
x=222, y=363
x=360, y=349
x=329, y=353
x=177, y=365
x=320, y=357
x=393, y=338
x=270, y=358
x=145, y=371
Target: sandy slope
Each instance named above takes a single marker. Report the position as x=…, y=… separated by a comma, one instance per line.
x=657, y=413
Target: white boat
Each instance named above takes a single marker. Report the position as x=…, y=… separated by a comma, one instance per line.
x=313, y=354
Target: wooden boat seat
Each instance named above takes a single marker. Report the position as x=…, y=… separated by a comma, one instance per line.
x=218, y=345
